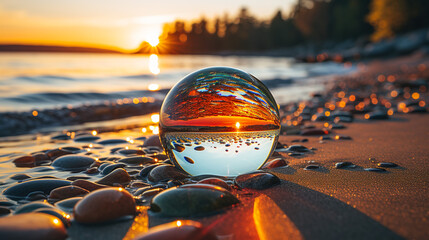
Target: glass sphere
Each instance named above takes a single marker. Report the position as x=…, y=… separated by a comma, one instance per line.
x=219, y=121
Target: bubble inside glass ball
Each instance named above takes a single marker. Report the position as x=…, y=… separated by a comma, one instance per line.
x=219, y=121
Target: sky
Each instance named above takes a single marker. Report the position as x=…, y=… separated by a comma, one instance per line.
x=120, y=24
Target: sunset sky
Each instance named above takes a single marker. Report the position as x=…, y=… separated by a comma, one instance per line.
x=122, y=24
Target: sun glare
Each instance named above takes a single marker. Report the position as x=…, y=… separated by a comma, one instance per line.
x=153, y=41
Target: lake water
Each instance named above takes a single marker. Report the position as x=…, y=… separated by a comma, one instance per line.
x=31, y=81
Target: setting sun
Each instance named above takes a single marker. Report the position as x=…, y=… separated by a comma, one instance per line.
x=153, y=41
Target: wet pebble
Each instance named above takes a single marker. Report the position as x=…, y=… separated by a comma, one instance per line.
x=25, y=161
x=153, y=141
x=21, y=190
x=86, y=138
x=183, y=229
x=61, y=137
x=34, y=196
x=88, y=185
x=66, y=192
x=55, y=153
x=216, y=181
x=192, y=200
x=137, y=160
x=117, y=177
x=297, y=148
x=344, y=165
x=112, y=141
x=4, y=211
x=127, y=152
x=34, y=226
x=64, y=217
x=145, y=171
x=68, y=204
x=275, y=163
x=72, y=163
x=311, y=167
x=72, y=178
x=375, y=169
x=257, y=180
x=19, y=176
x=108, y=169
x=31, y=207
x=104, y=205
x=387, y=165
x=165, y=173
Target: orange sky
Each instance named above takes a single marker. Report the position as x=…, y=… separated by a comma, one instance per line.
x=122, y=24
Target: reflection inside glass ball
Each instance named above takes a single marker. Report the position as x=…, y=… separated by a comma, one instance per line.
x=219, y=121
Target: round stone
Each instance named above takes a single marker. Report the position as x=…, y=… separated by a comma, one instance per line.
x=257, y=180
x=73, y=162
x=21, y=190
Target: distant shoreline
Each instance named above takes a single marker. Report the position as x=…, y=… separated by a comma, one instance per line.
x=53, y=49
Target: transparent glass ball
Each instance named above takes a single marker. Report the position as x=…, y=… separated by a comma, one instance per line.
x=219, y=121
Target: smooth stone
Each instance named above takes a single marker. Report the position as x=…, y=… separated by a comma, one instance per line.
x=165, y=173
x=137, y=160
x=64, y=217
x=174, y=183
x=32, y=226
x=275, y=163
x=88, y=185
x=342, y=137
x=149, y=194
x=153, y=141
x=311, y=167
x=257, y=180
x=72, y=162
x=67, y=205
x=179, y=230
x=112, y=141
x=31, y=207
x=375, y=169
x=344, y=165
x=71, y=149
x=19, y=176
x=25, y=161
x=67, y=192
x=6, y=203
x=72, y=178
x=217, y=182
x=4, y=211
x=158, y=156
x=111, y=167
x=86, y=138
x=104, y=205
x=118, y=176
x=61, y=137
x=145, y=171
x=126, y=152
x=192, y=200
x=295, y=154
x=55, y=153
x=41, y=158
x=296, y=148
x=21, y=190
x=139, y=184
x=103, y=165
x=387, y=164
x=37, y=195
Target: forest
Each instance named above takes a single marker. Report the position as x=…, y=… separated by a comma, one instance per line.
x=310, y=22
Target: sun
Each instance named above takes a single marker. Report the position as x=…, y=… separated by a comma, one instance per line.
x=153, y=41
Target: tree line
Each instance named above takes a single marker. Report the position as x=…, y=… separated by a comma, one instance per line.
x=309, y=22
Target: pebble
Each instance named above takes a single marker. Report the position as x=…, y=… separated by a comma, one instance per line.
x=4, y=211
x=311, y=167
x=275, y=163
x=387, y=164
x=126, y=152
x=296, y=148
x=112, y=141
x=34, y=196
x=145, y=171
x=86, y=138
x=21, y=190
x=324, y=138
x=72, y=178
x=257, y=180
x=199, y=148
x=67, y=205
x=61, y=137
x=216, y=181
x=66, y=192
x=165, y=173
x=181, y=229
x=104, y=205
x=72, y=163
x=342, y=137
x=88, y=185
x=118, y=176
x=153, y=141
x=137, y=160
x=25, y=161
x=19, y=176
x=64, y=217
x=375, y=169
x=108, y=169
x=32, y=226
x=192, y=200
x=31, y=207
x=344, y=165
x=55, y=153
